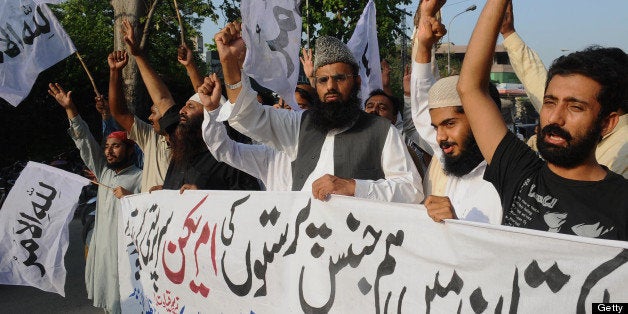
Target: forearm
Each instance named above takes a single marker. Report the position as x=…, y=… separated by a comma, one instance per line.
x=117, y=105
x=195, y=76
x=90, y=151
x=421, y=82
x=484, y=117
x=232, y=75
x=276, y=128
x=528, y=67
x=251, y=159
x=157, y=89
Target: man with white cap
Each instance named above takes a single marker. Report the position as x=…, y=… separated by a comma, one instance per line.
x=454, y=184
x=334, y=147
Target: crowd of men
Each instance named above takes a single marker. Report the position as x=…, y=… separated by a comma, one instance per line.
x=445, y=145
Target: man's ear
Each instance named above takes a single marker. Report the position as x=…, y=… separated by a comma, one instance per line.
x=609, y=123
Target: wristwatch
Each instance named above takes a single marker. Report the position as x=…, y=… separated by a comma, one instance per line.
x=234, y=86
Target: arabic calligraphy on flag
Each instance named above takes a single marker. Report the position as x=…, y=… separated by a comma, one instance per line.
x=34, y=227
x=271, y=30
x=31, y=40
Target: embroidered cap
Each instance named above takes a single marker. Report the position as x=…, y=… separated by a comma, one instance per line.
x=444, y=94
x=331, y=50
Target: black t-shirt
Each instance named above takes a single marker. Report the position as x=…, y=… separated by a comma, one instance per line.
x=534, y=197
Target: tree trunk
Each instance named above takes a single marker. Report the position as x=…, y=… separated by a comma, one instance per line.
x=135, y=92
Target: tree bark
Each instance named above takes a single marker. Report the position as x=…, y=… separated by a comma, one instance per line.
x=135, y=92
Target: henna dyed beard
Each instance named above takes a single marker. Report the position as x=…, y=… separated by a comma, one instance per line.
x=336, y=114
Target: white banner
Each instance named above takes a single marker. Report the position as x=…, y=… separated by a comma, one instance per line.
x=283, y=252
x=34, y=227
x=271, y=30
x=31, y=40
x=365, y=48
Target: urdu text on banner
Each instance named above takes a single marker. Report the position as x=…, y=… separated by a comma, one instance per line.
x=284, y=252
x=31, y=41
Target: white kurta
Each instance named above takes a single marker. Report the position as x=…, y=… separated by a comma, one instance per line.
x=271, y=166
x=279, y=129
x=101, y=270
x=473, y=198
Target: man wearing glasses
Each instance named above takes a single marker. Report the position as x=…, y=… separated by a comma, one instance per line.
x=334, y=147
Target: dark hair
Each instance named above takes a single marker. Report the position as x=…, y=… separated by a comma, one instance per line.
x=607, y=66
x=306, y=91
x=380, y=92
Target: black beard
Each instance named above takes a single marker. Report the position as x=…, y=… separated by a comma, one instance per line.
x=576, y=151
x=470, y=157
x=119, y=165
x=187, y=140
x=327, y=116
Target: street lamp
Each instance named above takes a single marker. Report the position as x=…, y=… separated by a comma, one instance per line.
x=471, y=8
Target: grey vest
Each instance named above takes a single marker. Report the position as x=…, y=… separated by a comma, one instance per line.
x=357, y=151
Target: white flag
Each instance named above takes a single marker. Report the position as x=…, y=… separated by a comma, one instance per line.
x=363, y=44
x=271, y=30
x=31, y=40
x=34, y=227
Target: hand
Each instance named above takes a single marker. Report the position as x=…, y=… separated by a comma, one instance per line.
x=184, y=55
x=439, y=208
x=90, y=175
x=385, y=73
x=210, y=92
x=508, y=24
x=281, y=104
x=117, y=60
x=307, y=62
x=129, y=38
x=102, y=106
x=120, y=192
x=406, y=80
x=61, y=96
x=156, y=188
x=230, y=44
x=430, y=7
x=188, y=187
x=430, y=31
x=329, y=184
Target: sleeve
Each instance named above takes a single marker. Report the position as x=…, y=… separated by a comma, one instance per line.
x=421, y=82
x=402, y=182
x=512, y=162
x=252, y=159
x=278, y=129
x=140, y=133
x=528, y=67
x=90, y=150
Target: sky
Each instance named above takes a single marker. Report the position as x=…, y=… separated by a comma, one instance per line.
x=551, y=27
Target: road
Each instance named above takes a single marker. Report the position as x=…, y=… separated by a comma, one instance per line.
x=21, y=299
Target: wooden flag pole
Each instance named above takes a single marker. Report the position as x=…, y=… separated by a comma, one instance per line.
x=98, y=183
x=176, y=8
x=88, y=74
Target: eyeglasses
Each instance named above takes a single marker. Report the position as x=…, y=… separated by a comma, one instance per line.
x=337, y=78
